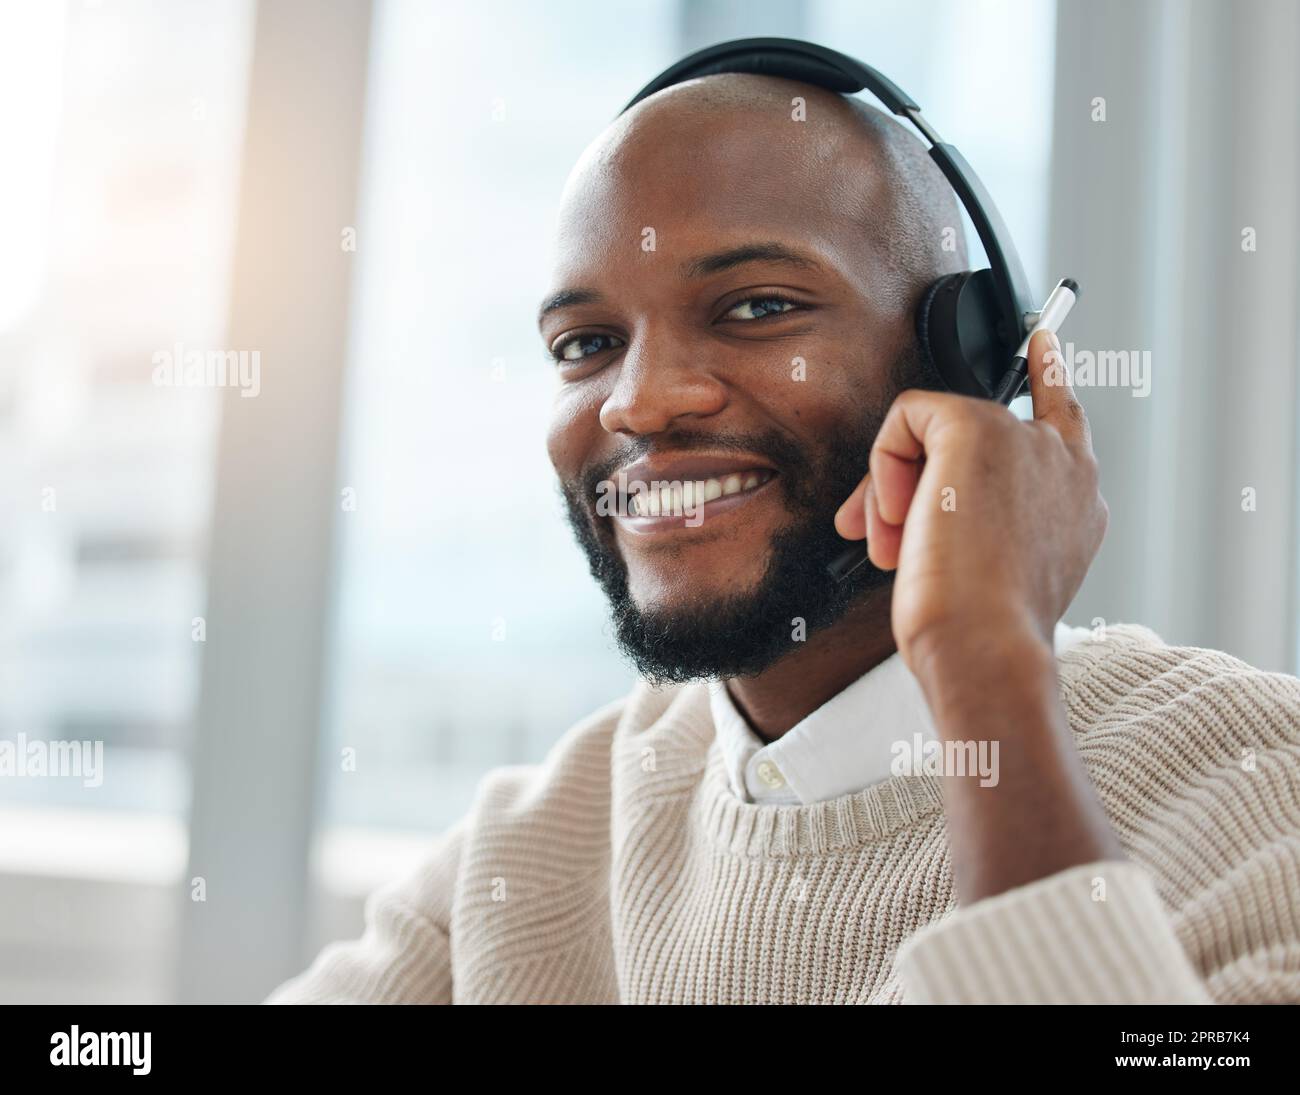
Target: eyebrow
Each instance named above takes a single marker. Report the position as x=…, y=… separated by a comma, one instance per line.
x=719, y=261
x=701, y=266
x=566, y=298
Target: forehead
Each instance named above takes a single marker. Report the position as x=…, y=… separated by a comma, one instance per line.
x=700, y=178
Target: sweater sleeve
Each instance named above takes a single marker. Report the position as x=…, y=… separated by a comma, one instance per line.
x=1094, y=934
x=1196, y=756
x=404, y=953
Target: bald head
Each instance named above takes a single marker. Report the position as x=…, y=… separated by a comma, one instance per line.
x=841, y=156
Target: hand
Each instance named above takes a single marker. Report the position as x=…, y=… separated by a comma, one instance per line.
x=991, y=522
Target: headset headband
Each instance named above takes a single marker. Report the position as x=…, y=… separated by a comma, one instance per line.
x=812, y=64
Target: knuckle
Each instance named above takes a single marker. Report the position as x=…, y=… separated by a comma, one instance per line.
x=980, y=412
x=909, y=397
x=1048, y=436
x=969, y=423
x=1075, y=414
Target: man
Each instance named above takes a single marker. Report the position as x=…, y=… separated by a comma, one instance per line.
x=911, y=786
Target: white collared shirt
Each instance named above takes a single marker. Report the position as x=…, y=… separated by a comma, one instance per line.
x=845, y=745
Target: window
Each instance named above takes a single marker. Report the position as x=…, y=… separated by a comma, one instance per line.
x=122, y=138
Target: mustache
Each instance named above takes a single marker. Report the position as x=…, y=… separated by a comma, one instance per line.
x=784, y=454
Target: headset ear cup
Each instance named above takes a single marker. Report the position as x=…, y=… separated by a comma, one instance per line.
x=923, y=316
x=957, y=324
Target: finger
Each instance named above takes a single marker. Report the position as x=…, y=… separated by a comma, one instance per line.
x=898, y=449
x=1049, y=384
x=851, y=518
x=883, y=539
x=895, y=482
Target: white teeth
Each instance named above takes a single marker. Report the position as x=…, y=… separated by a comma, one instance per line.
x=665, y=499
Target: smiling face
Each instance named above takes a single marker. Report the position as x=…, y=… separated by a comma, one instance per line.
x=729, y=324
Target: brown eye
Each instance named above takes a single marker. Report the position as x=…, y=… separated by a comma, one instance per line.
x=580, y=346
x=759, y=307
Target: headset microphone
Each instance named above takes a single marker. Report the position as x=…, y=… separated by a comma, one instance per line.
x=1049, y=319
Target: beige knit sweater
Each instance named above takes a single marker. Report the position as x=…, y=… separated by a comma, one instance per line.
x=623, y=869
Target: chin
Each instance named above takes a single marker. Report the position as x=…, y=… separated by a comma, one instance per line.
x=690, y=579
x=698, y=566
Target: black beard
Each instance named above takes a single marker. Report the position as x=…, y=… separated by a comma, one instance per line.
x=739, y=635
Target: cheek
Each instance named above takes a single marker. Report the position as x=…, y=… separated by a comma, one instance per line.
x=814, y=401
x=574, y=429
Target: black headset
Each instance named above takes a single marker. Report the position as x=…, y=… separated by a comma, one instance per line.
x=969, y=324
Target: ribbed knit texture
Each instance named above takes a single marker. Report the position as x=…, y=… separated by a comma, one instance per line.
x=624, y=870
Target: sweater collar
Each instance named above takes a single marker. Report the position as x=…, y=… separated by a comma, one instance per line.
x=668, y=757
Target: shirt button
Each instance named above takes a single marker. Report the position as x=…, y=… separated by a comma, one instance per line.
x=770, y=774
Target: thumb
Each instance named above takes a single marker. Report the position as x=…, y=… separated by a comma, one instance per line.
x=1052, y=391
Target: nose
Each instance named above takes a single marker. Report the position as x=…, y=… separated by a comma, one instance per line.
x=659, y=382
